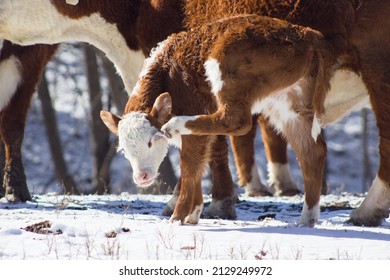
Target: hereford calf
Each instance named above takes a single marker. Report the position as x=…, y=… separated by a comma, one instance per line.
x=224, y=71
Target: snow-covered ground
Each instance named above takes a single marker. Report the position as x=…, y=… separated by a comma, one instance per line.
x=131, y=227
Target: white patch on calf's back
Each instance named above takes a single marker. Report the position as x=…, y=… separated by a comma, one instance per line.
x=10, y=78
x=213, y=75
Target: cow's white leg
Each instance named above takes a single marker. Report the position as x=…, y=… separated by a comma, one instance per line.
x=309, y=217
x=279, y=178
x=255, y=186
x=375, y=206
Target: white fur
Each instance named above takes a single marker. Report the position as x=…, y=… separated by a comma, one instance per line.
x=38, y=21
x=378, y=197
x=134, y=133
x=72, y=2
x=279, y=176
x=213, y=75
x=316, y=128
x=176, y=125
x=278, y=106
x=10, y=79
x=193, y=218
x=309, y=217
x=255, y=184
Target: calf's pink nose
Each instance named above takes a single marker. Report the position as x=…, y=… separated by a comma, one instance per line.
x=142, y=177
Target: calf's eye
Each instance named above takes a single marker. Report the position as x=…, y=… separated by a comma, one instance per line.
x=150, y=143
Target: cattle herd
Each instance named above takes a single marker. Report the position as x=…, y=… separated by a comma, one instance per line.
x=214, y=68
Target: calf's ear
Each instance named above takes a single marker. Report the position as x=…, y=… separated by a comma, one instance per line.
x=110, y=120
x=162, y=108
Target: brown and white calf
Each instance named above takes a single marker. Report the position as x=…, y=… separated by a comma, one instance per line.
x=218, y=75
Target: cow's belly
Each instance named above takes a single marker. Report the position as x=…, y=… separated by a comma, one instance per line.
x=348, y=93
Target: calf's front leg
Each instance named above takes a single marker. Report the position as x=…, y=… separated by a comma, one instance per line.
x=194, y=156
x=222, y=122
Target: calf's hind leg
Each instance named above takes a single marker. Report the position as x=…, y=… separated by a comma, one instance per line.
x=311, y=155
x=223, y=194
x=243, y=148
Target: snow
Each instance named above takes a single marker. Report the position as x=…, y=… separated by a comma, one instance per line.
x=125, y=226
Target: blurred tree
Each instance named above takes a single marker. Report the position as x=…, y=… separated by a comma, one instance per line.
x=100, y=137
x=56, y=150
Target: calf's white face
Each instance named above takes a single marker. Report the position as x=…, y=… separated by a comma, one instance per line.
x=143, y=145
